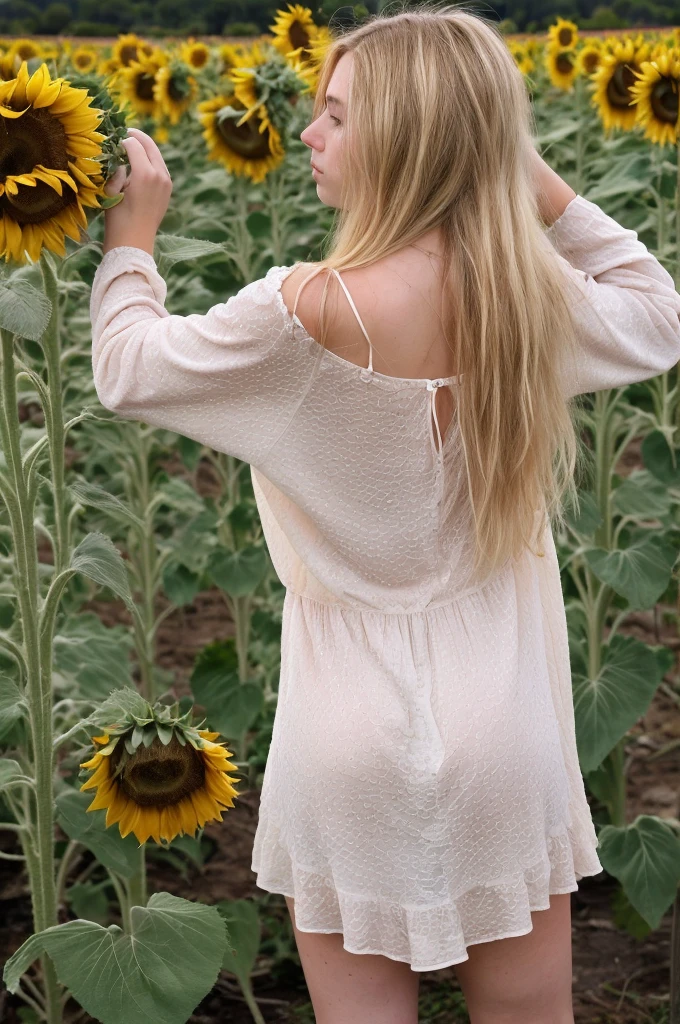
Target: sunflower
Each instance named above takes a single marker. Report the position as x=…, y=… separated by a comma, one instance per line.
x=521, y=57
x=613, y=80
x=251, y=147
x=588, y=60
x=174, y=90
x=563, y=34
x=128, y=48
x=196, y=55
x=85, y=58
x=293, y=30
x=561, y=67
x=48, y=171
x=135, y=83
x=24, y=49
x=158, y=776
x=229, y=54
x=656, y=96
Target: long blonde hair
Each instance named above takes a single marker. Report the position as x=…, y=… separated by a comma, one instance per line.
x=438, y=126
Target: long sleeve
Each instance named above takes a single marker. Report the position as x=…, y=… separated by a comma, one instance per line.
x=225, y=379
x=624, y=301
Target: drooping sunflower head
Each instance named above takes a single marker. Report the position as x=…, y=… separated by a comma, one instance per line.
x=561, y=67
x=563, y=34
x=130, y=47
x=613, y=80
x=174, y=90
x=250, y=148
x=294, y=30
x=158, y=776
x=49, y=171
x=196, y=55
x=656, y=95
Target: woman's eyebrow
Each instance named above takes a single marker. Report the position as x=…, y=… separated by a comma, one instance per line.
x=334, y=99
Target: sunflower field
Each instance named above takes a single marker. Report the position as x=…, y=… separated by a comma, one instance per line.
x=140, y=614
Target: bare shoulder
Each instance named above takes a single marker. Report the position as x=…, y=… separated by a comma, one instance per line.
x=309, y=300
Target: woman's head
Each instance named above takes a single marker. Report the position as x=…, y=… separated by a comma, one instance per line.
x=434, y=132
x=433, y=107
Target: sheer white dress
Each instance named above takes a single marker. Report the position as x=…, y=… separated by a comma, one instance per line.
x=422, y=791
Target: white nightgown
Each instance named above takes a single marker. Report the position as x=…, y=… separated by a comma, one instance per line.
x=422, y=791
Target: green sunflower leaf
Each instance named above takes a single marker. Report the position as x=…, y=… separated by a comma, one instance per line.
x=159, y=972
x=24, y=310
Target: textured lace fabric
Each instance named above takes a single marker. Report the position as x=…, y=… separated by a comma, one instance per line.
x=422, y=791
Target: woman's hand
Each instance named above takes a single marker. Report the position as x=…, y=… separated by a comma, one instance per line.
x=552, y=192
x=146, y=193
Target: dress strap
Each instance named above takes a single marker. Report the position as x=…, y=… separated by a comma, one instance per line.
x=356, y=313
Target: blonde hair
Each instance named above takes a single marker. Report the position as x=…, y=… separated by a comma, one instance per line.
x=438, y=128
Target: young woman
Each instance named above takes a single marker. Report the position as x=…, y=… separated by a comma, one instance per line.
x=410, y=442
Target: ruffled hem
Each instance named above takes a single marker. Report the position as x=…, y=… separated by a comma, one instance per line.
x=426, y=937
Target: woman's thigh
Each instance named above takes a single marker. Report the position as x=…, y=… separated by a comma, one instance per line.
x=361, y=988
x=526, y=979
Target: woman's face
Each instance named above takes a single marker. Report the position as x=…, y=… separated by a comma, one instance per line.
x=325, y=135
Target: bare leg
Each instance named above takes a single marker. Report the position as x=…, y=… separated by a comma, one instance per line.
x=361, y=988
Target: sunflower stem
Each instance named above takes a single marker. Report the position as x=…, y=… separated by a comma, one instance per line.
x=123, y=904
x=54, y=416
x=40, y=864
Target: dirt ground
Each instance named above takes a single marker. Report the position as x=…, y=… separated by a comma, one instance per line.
x=617, y=979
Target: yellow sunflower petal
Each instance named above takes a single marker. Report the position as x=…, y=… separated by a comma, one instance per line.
x=10, y=113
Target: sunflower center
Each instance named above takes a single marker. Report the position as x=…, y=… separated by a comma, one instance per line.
x=158, y=775
x=176, y=90
x=564, y=36
x=127, y=53
x=619, y=85
x=246, y=140
x=298, y=35
x=34, y=138
x=565, y=63
x=664, y=100
x=591, y=61
x=144, y=86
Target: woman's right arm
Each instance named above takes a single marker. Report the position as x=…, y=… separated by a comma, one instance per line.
x=554, y=195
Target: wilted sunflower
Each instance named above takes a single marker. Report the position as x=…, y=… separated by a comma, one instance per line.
x=158, y=776
x=48, y=173
x=85, y=58
x=293, y=30
x=174, y=90
x=135, y=83
x=251, y=149
x=561, y=67
x=563, y=34
x=128, y=48
x=613, y=82
x=196, y=55
x=656, y=93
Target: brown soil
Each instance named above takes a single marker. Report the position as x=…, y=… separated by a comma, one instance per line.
x=617, y=979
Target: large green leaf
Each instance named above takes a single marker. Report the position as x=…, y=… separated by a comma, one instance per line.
x=159, y=972
x=170, y=249
x=645, y=857
x=658, y=457
x=588, y=518
x=9, y=770
x=99, y=559
x=89, y=827
x=238, y=572
x=606, y=707
x=91, y=659
x=24, y=310
x=92, y=494
x=243, y=921
x=641, y=495
x=13, y=704
x=640, y=573
x=231, y=707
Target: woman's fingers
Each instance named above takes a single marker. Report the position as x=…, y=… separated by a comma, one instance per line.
x=139, y=161
x=153, y=153
x=117, y=181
